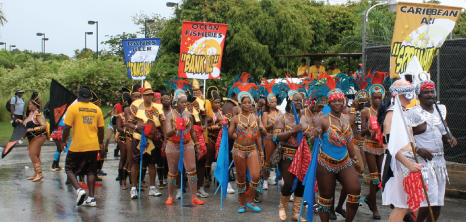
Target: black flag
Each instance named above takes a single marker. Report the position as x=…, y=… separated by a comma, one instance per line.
x=60, y=99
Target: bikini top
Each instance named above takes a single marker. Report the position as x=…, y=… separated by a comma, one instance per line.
x=186, y=133
x=338, y=137
x=292, y=141
x=246, y=130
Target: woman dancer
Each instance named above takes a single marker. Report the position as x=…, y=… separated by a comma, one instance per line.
x=270, y=90
x=121, y=126
x=247, y=149
x=213, y=129
x=334, y=160
x=135, y=95
x=285, y=132
x=372, y=147
x=36, y=134
x=175, y=123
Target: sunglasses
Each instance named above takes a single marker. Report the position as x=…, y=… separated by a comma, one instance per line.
x=149, y=94
x=362, y=103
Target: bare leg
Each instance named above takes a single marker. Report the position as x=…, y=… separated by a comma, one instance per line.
x=241, y=169
x=326, y=183
x=254, y=170
x=269, y=148
x=372, y=164
x=398, y=214
x=172, y=160
x=91, y=184
x=350, y=181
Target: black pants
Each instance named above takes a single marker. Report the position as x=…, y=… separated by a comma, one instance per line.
x=21, y=117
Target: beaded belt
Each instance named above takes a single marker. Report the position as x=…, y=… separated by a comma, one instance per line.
x=244, y=148
x=289, y=152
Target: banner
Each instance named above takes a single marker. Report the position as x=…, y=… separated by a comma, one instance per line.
x=201, y=50
x=140, y=55
x=420, y=29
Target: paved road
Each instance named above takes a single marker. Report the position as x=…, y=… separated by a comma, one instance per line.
x=52, y=200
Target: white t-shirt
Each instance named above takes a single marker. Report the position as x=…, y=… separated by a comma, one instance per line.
x=19, y=105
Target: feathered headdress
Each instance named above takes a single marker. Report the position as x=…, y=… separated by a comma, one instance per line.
x=269, y=89
x=376, y=80
x=180, y=86
x=290, y=88
x=247, y=89
x=243, y=78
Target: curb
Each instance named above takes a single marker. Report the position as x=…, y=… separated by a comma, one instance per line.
x=456, y=166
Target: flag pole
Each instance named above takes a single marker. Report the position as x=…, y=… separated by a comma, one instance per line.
x=443, y=121
x=413, y=147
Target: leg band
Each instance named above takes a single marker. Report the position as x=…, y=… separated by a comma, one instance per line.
x=57, y=156
x=354, y=199
x=192, y=176
x=172, y=178
x=324, y=205
x=375, y=179
x=240, y=187
x=255, y=186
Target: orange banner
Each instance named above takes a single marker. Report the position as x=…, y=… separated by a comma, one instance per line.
x=201, y=50
x=420, y=30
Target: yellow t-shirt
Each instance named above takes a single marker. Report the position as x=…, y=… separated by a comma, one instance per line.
x=316, y=72
x=333, y=71
x=303, y=71
x=84, y=118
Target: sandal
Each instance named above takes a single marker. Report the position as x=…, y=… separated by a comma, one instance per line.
x=169, y=201
x=196, y=201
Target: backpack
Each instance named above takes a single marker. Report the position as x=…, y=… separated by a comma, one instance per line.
x=7, y=106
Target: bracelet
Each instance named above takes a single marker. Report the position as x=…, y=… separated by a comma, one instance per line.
x=37, y=128
x=352, y=111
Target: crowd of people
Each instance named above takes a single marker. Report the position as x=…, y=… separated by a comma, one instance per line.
x=352, y=132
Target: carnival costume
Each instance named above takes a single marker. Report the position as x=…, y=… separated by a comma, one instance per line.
x=433, y=171
x=125, y=102
x=247, y=130
x=289, y=147
x=38, y=130
x=174, y=142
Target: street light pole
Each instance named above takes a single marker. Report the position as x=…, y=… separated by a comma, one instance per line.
x=97, y=35
x=392, y=4
x=85, y=39
x=145, y=26
x=11, y=46
x=3, y=43
x=42, y=42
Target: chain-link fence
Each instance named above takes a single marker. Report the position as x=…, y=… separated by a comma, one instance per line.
x=448, y=71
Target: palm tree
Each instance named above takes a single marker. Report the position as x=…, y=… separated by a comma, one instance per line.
x=2, y=16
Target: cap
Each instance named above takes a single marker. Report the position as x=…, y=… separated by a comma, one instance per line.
x=84, y=95
x=20, y=91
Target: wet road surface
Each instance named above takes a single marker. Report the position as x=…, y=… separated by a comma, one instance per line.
x=52, y=200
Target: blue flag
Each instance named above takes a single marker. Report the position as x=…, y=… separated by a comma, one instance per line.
x=300, y=137
x=221, y=169
x=309, y=180
x=142, y=143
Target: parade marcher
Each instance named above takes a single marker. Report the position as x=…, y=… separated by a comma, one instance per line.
x=87, y=123
x=393, y=189
x=285, y=133
x=247, y=149
x=373, y=146
x=101, y=158
x=120, y=126
x=357, y=106
x=181, y=121
x=145, y=115
x=162, y=166
x=197, y=108
x=336, y=158
x=17, y=107
x=135, y=95
x=36, y=133
x=430, y=134
x=269, y=117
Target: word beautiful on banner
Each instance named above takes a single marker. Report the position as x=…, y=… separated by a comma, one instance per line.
x=201, y=50
x=420, y=30
x=140, y=55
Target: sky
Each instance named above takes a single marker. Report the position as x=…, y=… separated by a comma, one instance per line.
x=65, y=21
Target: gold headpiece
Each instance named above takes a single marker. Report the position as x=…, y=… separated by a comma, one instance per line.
x=196, y=85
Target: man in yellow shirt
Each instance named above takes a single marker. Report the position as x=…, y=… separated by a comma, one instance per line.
x=333, y=71
x=88, y=134
x=303, y=69
x=316, y=70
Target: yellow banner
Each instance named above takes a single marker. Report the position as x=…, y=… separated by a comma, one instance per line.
x=420, y=30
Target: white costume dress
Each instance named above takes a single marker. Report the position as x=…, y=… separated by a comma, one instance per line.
x=434, y=171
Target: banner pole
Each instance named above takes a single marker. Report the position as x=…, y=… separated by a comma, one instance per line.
x=144, y=71
x=205, y=86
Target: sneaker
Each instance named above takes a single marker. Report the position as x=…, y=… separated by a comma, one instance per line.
x=154, y=192
x=281, y=183
x=81, y=196
x=20, y=142
x=201, y=193
x=230, y=189
x=91, y=203
x=265, y=185
x=134, y=194
x=178, y=194
x=101, y=173
x=292, y=197
x=271, y=181
x=164, y=182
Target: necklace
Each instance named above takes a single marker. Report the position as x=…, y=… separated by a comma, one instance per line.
x=246, y=117
x=177, y=112
x=374, y=110
x=337, y=118
x=313, y=115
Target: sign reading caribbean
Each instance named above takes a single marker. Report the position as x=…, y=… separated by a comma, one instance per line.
x=140, y=55
x=201, y=50
x=420, y=30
